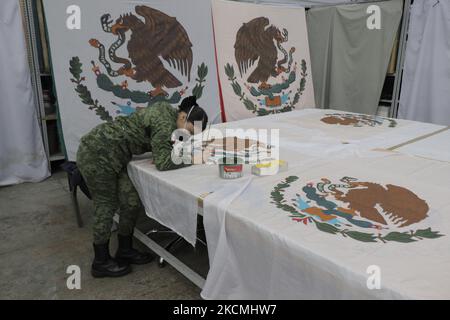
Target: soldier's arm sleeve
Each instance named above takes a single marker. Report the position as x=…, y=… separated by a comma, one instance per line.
x=162, y=147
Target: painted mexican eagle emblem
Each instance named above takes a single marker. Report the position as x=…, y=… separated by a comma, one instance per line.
x=361, y=210
x=357, y=120
x=158, y=37
x=160, y=53
x=267, y=68
x=256, y=40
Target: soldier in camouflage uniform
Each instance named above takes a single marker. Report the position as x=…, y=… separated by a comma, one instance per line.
x=102, y=158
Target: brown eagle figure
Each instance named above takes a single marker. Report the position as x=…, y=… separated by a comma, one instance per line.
x=255, y=40
x=159, y=36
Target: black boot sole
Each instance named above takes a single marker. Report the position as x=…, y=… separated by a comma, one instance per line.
x=105, y=274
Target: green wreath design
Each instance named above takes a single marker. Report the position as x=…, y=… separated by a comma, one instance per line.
x=229, y=71
x=105, y=83
x=84, y=93
x=278, y=199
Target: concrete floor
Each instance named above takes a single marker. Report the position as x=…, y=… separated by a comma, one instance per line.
x=39, y=239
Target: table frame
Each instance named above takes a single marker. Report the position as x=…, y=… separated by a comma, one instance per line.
x=181, y=267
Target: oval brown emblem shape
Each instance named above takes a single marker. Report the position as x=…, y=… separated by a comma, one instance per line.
x=357, y=120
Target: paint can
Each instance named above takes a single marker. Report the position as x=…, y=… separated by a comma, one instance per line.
x=231, y=168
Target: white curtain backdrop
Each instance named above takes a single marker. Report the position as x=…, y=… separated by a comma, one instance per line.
x=22, y=155
x=425, y=91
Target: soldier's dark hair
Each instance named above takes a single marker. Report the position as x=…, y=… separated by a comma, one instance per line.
x=194, y=111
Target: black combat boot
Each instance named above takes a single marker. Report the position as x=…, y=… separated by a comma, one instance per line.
x=105, y=266
x=126, y=253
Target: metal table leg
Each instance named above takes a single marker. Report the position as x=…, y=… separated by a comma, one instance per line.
x=193, y=276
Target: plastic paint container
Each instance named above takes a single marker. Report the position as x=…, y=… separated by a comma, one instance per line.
x=231, y=168
x=269, y=168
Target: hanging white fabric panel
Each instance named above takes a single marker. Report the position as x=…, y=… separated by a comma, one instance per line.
x=95, y=66
x=22, y=155
x=263, y=59
x=425, y=91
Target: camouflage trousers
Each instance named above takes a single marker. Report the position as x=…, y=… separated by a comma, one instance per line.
x=111, y=191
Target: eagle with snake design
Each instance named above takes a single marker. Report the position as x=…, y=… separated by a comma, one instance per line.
x=256, y=40
x=158, y=37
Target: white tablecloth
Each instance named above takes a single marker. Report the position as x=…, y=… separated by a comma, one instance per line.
x=259, y=251
x=256, y=251
x=434, y=147
x=171, y=197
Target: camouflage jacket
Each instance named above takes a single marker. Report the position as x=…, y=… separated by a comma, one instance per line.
x=148, y=129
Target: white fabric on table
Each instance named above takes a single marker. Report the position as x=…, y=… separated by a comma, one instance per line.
x=261, y=253
x=22, y=154
x=218, y=202
x=171, y=197
x=257, y=251
x=303, y=132
x=435, y=147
